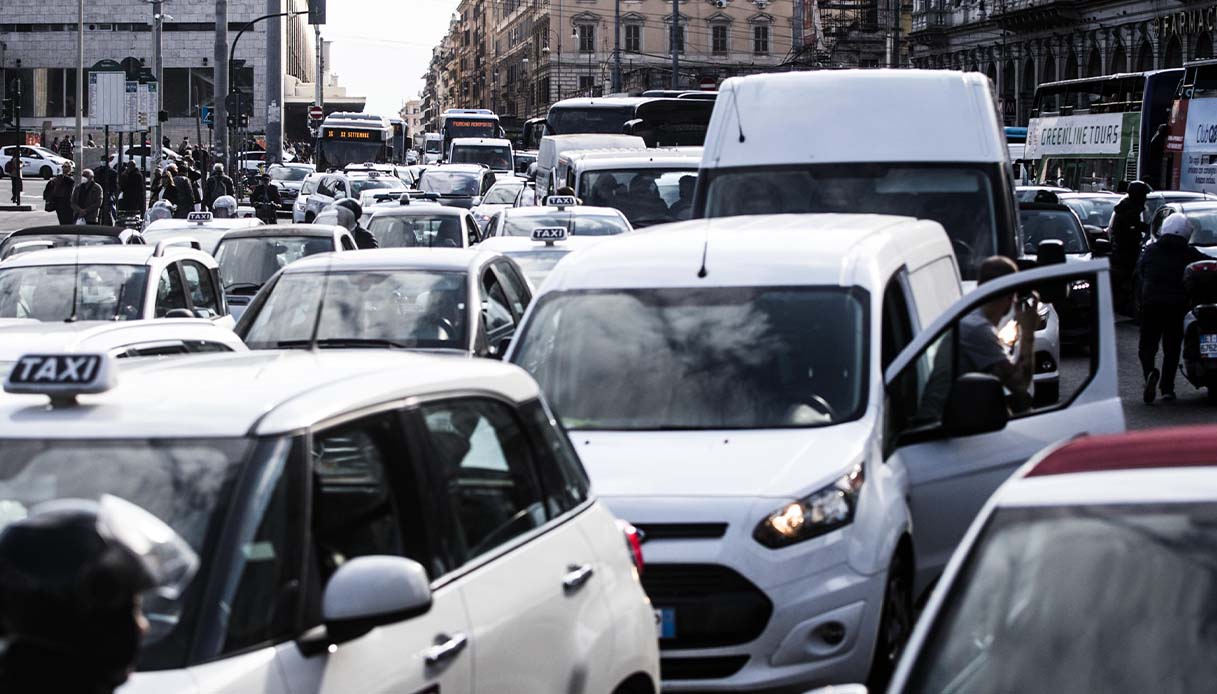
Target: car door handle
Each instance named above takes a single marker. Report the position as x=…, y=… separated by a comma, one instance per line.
x=447, y=650
x=577, y=576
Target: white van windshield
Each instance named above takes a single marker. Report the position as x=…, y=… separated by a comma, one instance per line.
x=960, y=198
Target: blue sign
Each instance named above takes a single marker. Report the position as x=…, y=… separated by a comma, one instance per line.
x=208, y=115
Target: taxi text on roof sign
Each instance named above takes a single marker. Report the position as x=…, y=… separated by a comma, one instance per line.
x=198, y=216
x=61, y=376
x=549, y=234
x=561, y=201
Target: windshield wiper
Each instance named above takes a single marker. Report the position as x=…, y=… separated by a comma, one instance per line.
x=336, y=342
x=242, y=285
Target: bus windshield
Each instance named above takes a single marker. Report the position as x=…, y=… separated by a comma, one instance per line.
x=336, y=153
x=569, y=120
x=960, y=197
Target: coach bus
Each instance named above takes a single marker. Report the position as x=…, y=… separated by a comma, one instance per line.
x=662, y=122
x=353, y=138
x=1097, y=133
x=1191, y=146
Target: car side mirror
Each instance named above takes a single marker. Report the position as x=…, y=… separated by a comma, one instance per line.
x=1100, y=248
x=365, y=593
x=976, y=405
x=179, y=313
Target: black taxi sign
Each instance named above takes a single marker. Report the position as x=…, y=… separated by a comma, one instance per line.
x=549, y=234
x=561, y=201
x=61, y=376
x=199, y=217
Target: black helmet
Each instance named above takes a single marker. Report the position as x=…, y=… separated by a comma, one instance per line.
x=1139, y=189
x=351, y=204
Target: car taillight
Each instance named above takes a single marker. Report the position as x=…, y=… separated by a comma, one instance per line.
x=633, y=542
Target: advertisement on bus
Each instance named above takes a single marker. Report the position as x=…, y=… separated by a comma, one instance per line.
x=1091, y=152
x=1197, y=167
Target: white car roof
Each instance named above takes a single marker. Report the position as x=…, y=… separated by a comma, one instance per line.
x=647, y=159
x=418, y=208
x=89, y=255
x=258, y=393
x=765, y=250
x=183, y=225
x=42, y=337
x=438, y=259
x=481, y=142
x=825, y=116
x=576, y=210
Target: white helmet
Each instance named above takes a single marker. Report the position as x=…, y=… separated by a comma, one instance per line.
x=224, y=207
x=161, y=209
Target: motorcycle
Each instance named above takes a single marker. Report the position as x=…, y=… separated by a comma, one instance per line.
x=1200, y=327
x=267, y=212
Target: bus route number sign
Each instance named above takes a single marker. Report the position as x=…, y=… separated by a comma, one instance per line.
x=340, y=134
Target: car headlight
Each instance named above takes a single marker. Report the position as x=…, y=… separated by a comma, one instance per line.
x=814, y=515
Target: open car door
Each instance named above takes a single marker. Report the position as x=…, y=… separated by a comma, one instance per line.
x=952, y=434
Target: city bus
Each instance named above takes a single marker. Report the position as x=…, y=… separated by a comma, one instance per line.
x=662, y=122
x=1095, y=133
x=399, y=141
x=468, y=122
x=353, y=138
x=1191, y=144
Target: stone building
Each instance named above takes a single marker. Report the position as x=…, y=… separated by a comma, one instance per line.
x=1020, y=44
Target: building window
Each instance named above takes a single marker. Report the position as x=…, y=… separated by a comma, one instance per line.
x=633, y=38
x=188, y=88
x=678, y=37
x=587, y=85
x=760, y=39
x=587, y=37
x=718, y=38
x=544, y=97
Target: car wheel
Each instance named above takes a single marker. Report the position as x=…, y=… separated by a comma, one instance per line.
x=46, y=173
x=895, y=621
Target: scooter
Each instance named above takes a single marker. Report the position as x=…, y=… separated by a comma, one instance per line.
x=1200, y=327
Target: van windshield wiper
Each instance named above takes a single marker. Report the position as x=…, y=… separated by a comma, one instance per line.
x=338, y=342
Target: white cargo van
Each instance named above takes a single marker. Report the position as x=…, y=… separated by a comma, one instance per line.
x=653, y=186
x=550, y=174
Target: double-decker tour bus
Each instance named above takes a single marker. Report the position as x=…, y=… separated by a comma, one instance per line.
x=468, y=122
x=1191, y=145
x=353, y=138
x=1097, y=133
x=662, y=122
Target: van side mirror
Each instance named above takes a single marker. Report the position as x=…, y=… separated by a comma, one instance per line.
x=1050, y=252
x=179, y=313
x=976, y=405
x=1100, y=248
x=500, y=348
x=365, y=593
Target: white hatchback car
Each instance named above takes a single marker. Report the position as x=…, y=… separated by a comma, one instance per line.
x=366, y=521
x=775, y=402
x=172, y=279
x=201, y=226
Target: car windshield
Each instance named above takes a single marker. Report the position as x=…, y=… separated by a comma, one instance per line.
x=1094, y=212
x=721, y=358
x=960, y=198
x=358, y=185
x=537, y=264
x=1046, y=225
x=57, y=241
x=1204, y=226
x=645, y=196
x=1109, y=599
x=187, y=483
x=414, y=231
x=395, y=308
x=449, y=183
x=45, y=292
x=497, y=158
x=503, y=193
x=289, y=173
x=576, y=224
x=249, y=262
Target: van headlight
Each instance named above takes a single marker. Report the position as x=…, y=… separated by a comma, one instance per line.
x=816, y=514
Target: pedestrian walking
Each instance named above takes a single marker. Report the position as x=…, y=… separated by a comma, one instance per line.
x=134, y=193
x=14, y=171
x=183, y=149
x=58, y=195
x=218, y=185
x=107, y=178
x=86, y=199
x=157, y=186
x=66, y=147
x=54, y=145
x=1164, y=304
x=1126, y=231
x=91, y=143
x=183, y=198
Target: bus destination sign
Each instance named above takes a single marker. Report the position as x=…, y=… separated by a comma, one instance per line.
x=343, y=134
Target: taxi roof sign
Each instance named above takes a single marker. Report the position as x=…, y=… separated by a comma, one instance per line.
x=549, y=234
x=62, y=377
x=199, y=217
x=561, y=201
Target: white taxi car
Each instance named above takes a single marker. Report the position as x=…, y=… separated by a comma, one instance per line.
x=201, y=226
x=367, y=522
x=773, y=402
x=559, y=210
x=539, y=253
x=172, y=279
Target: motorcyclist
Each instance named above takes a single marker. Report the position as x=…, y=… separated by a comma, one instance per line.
x=161, y=209
x=224, y=207
x=1126, y=232
x=266, y=200
x=363, y=237
x=75, y=578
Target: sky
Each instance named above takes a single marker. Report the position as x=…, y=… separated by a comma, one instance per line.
x=382, y=47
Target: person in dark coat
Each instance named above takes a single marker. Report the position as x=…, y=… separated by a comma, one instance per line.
x=66, y=146
x=134, y=192
x=58, y=195
x=363, y=237
x=86, y=199
x=1164, y=304
x=183, y=193
x=196, y=177
x=1126, y=232
x=107, y=178
x=218, y=185
x=13, y=170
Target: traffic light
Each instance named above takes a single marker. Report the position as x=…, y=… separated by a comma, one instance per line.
x=232, y=120
x=8, y=112
x=162, y=115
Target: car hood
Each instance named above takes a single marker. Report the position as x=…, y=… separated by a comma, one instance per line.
x=780, y=463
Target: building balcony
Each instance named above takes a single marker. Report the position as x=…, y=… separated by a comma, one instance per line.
x=929, y=27
x=1035, y=15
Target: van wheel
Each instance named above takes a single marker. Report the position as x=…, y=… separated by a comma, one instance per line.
x=46, y=173
x=309, y=217
x=895, y=622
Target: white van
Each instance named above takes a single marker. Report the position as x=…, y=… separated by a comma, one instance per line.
x=494, y=152
x=653, y=186
x=433, y=148
x=549, y=175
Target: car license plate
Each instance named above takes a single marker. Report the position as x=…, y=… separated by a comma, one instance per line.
x=665, y=622
x=1208, y=346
